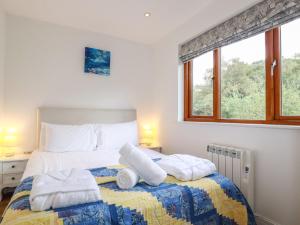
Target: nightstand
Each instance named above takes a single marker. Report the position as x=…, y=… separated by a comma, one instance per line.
x=153, y=147
x=11, y=170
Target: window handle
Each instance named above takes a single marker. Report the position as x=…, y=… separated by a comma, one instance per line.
x=211, y=77
x=273, y=65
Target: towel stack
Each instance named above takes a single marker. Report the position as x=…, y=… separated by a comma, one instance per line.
x=182, y=167
x=139, y=166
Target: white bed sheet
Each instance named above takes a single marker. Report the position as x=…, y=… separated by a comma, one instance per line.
x=43, y=162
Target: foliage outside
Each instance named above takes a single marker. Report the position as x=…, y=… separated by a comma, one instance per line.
x=243, y=90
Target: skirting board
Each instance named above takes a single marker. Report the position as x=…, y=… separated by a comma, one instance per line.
x=261, y=220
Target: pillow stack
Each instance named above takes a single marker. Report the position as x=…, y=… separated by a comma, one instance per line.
x=87, y=137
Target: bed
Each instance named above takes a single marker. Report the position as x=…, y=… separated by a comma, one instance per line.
x=210, y=200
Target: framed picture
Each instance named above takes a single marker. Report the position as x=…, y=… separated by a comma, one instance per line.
x=97, y=61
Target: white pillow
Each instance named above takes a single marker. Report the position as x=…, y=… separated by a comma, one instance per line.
x=68, y=138
x=114, y=136
x=42, y=140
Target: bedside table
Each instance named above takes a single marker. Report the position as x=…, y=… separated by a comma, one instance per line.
x=153, y=147
x=11, y=170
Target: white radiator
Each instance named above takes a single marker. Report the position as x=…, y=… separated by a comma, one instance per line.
x=236, y=164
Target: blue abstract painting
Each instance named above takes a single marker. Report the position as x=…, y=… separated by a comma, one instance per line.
x=97, y=61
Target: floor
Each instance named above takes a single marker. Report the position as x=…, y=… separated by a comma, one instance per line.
x=4, y=203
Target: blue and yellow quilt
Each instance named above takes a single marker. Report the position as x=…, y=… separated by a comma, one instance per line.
x=209, y=201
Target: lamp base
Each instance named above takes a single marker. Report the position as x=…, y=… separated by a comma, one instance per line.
x=9, y=154
x=146, y=144
x=9, y=151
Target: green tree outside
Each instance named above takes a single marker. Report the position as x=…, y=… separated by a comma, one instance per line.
x=243, y=90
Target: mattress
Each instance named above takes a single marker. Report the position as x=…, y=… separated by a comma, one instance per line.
x=211, y=200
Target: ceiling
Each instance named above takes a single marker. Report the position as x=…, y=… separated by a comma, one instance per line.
x=121, y=18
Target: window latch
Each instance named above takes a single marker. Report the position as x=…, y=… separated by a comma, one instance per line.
x=273, y=65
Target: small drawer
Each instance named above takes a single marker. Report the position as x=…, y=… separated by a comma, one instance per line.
x=13, y=167
x=12, y=178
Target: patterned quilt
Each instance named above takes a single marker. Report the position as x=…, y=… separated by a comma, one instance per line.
x=209, y=201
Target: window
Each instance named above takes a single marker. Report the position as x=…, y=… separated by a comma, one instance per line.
x=290, y=69
x=202, y=80
x=256, y=80
x=243, y=79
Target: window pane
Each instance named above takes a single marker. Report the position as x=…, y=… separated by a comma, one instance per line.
x=290, y=70
x=203, y=85
x=243, y=79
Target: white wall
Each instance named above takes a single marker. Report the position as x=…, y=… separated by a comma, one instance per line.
x=277, y=163
x=2, y=55
x=44, y=67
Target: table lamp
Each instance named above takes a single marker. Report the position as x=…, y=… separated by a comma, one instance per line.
x=1, y=140
x=147, y=135
x=9, y=142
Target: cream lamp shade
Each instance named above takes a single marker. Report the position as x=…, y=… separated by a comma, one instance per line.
x=147, y=138
x=8, y=141
x=1, y=136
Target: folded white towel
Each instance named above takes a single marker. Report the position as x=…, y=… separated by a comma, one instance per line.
x=186, y=167
x=148, y=170
x=63, y=188
x=127, y=178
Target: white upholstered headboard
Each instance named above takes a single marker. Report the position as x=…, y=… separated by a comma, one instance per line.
x=82, y=116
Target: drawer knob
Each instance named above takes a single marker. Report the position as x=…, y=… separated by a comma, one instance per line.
x=13, y=166
x=13, y=178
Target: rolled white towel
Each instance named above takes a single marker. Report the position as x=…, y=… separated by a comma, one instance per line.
x=127, y=178
x=148, y=170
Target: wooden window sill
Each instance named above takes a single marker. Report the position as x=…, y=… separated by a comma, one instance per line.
x=292, y=125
